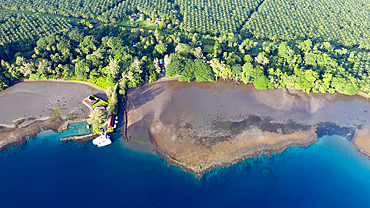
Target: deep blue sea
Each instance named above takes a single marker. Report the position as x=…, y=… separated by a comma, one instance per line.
x=45, y=172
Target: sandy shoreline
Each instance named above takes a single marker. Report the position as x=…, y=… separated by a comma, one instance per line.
x=197, y=126
x=361, y=142
x=30, y=107
x=197, y=120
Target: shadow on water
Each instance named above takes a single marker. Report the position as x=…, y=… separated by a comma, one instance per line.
x=121, y=130
x=330, y=129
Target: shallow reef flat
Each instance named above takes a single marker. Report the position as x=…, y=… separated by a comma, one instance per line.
x=201, y=126
x=361, y=142
x=198, y=154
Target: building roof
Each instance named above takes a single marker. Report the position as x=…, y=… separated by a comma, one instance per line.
x=99, y=107
x=110, y=122
x=90, y=100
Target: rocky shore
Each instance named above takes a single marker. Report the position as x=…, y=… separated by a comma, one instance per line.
x=18, y=136
x=81, y=139
x=198, y=154
x=30, y=107
x=361, y=142
x=201, y=126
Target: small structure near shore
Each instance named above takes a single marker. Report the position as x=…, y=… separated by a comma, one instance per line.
x=94, y=102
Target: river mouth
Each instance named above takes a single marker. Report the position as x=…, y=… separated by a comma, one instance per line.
x=163, y=115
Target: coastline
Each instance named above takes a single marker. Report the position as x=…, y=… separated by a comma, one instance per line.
x=66, y=81
x=18, y=136
x=201, y=154
x=361, y=142
x=163, y=102
x=196, y=118
x=50, y=106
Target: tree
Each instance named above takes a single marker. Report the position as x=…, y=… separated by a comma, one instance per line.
x=115, y=43
x=42, y=44
x=262, y=83
x=161, y=48
x=95, y=117
x=44, y=67
x=261, y=59
x=113, y=103
x=203, y=71
x=237, y=71
x=188, y=73
x=137, y=65
x=248, y=58
x=183, y=48
x=157, y=35
x=167, y=61
x=175, y=68
x=156, y=65
x=88, y=44
x=82, y=69
x=217, y=67
x=345, y=86
x=248, y=71
x=162, y=25
x=153, y=77
x=113, y=68
x=198, y=53
x=26, y=69
x=20, y=60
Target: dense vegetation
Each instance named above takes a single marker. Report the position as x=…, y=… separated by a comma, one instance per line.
x=343, y=21
x=85, y=9
x=194, y=15
x=19, y=31
x=195, y=40
x=215, y=16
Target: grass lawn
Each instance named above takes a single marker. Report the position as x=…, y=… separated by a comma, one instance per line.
x=143, y=24
x=99, y=82
x=208, y=48
x=126, y=24
x=100, y=103
x=147, y=25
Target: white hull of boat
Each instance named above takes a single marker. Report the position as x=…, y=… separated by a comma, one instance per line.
x=102, y=141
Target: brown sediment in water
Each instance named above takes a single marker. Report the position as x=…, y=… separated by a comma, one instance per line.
x=361, y=142
x=200, y=122
x=199, y=154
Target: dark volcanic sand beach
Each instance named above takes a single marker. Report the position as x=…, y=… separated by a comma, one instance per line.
x=200, y=126
x=27, y=106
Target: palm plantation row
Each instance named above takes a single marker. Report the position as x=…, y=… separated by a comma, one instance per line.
x=190, y=45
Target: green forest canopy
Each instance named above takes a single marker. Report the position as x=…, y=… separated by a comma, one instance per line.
x=312, y=58
x=343, y=21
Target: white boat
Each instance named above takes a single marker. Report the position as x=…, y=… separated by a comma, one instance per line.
x=102, y=141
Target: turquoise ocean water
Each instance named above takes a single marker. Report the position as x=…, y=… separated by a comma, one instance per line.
x=45, y=172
